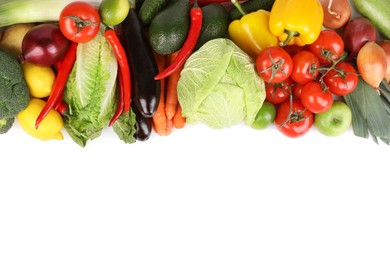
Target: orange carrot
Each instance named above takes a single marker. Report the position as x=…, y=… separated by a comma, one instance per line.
x=179, y=120
x=159, y=118
x=171, y=95
x=169, y=127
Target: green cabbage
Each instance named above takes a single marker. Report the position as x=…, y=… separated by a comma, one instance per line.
x=219, y=86
x=90, y=92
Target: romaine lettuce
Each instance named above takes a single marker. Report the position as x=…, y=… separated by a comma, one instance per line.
x=90, y=90
x=219, y=86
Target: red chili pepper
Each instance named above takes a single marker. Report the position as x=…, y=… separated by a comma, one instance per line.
x=120, y=105
x=60, y=82
x=196, y=15
x=123, y=65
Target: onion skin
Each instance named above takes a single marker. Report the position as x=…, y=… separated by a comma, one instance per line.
x=371, y=63
x=357, y=32
x=337, y=14
x=44, y=45
x=385, y=44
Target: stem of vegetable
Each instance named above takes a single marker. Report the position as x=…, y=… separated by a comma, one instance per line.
x=60, y=82
x=238, y=6
x=196, y=16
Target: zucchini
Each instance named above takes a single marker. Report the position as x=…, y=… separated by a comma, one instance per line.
x=377, y=11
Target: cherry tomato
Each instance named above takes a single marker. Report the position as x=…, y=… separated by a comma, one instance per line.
x=79, y=21
x=305, y=67
x=342, y=80
x=274, y=64
x=265, y=116
x=297, y=90
x=294, y=49
x=276, y=93
x=328, y=46
x=294, y=124
x=316, y=98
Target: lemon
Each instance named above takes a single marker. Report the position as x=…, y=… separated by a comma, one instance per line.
x=113, y=12
x=49, y=128
x=39, y=79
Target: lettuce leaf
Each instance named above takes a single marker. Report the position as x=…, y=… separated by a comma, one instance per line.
x=90, y=90
x=219, y=86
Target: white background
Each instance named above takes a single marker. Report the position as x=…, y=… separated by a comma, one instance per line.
x=199, y=193
x=232, y=194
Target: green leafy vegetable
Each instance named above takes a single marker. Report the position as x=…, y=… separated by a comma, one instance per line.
x=370, y=115
x=124, y=127
x=90, y=90
x=219, y=86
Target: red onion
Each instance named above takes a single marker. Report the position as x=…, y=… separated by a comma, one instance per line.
x=356, y=33
x=44, y=45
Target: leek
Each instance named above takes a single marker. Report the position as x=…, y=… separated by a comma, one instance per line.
x=33, y=11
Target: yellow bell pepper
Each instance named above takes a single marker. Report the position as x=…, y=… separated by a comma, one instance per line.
x=251, y=33
x=296, y=22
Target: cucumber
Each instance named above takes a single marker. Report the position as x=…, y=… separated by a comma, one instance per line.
x=215, y=23
x=169, y=28
x=149, y=9
x=251, y=6
x=377, y=11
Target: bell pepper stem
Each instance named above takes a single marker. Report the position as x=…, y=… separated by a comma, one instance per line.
x=238, y=6
x=290, y=35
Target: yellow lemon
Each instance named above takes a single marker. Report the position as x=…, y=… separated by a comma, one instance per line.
x=113, y=12
x=39, y=79
x=49, y=128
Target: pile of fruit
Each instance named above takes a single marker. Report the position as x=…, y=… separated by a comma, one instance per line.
x=81, y=66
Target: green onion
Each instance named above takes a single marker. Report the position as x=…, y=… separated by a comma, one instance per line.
x=33, y=11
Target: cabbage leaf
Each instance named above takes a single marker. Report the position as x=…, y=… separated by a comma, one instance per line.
x=219, y=86
x=90, y=92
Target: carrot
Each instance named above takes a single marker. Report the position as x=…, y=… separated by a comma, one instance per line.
x=159, y=118
x=171, y=95
x=179, y=120
x=169, y=127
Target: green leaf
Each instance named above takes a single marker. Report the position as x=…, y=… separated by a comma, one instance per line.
x=370, y=116
x=124, y=127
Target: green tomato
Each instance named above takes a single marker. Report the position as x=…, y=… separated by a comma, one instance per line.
x=265, y=116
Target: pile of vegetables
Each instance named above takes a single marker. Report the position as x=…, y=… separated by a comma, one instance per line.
x=144, y=66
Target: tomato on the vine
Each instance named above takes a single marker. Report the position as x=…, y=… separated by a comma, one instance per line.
x=297, y=90
x=315, y=97
x=274, y=64
x=276, y=93
x=295, y=121
x=328, y=47
x=305, y=67
x=79, y=21
x=342, y=80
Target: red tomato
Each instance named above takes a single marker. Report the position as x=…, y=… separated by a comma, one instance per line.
x=328, y=46
x=297, y=90
x=79, y=21
x=342, y=80
x=295, y=124
x=316, y=98
x=294, y=49
x=274, y=64
x=276, y=93
x=305, y=67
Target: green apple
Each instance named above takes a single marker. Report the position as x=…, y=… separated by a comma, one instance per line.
x=334, y=121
